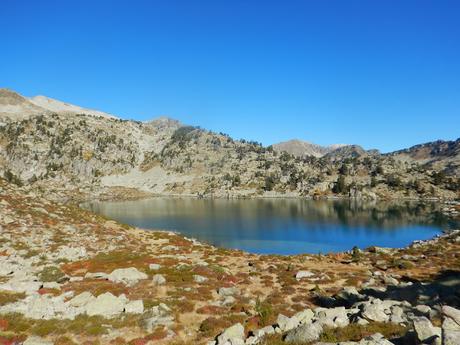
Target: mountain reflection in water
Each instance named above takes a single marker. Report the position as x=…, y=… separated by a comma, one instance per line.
x=283, y=226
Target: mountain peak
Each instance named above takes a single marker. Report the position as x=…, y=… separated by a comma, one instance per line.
x=301, y=148
x=57, y=106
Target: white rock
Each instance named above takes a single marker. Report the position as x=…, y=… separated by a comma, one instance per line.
x=129, y=276
x=154, y=267
x=199, y=279
x=304, y=274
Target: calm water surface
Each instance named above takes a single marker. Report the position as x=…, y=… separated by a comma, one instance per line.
x=283, y=226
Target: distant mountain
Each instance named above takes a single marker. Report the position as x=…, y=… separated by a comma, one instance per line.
x=300, y=148
x=13, y=105
x=350, y=151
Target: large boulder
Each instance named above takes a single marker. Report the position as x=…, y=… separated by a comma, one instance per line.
x=450, y=326
x=305, y=333
x=287, y=323
x=128, y=276
x=426, y=332
x=106, y=305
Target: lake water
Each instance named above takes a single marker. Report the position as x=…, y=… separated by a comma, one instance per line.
x=283, y=226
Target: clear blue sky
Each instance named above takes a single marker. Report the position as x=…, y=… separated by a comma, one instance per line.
x=384, y=74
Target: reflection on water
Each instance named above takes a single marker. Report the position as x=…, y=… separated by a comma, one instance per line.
x=283, y=226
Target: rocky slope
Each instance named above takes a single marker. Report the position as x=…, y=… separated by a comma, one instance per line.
x=438, y=155
x=88, y=156
x=70, y=277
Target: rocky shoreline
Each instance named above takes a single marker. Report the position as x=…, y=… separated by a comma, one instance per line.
x=68, y=276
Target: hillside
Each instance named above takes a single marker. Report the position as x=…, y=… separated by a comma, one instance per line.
x=436, y=155
x=87, y=156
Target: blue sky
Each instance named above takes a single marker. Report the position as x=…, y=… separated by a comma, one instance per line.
x=383, y=74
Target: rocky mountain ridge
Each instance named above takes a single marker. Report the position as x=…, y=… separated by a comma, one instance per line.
x=96, y=156
x=15, y=106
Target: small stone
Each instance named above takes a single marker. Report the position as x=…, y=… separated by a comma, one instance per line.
x=158, y=279
x=154, y=267
x=199, y=279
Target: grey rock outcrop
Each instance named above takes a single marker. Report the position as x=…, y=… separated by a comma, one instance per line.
x=158, y=315
x=305, y=333
x=233, y=335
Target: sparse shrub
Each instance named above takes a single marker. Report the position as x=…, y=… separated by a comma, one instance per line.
x=50, y=274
